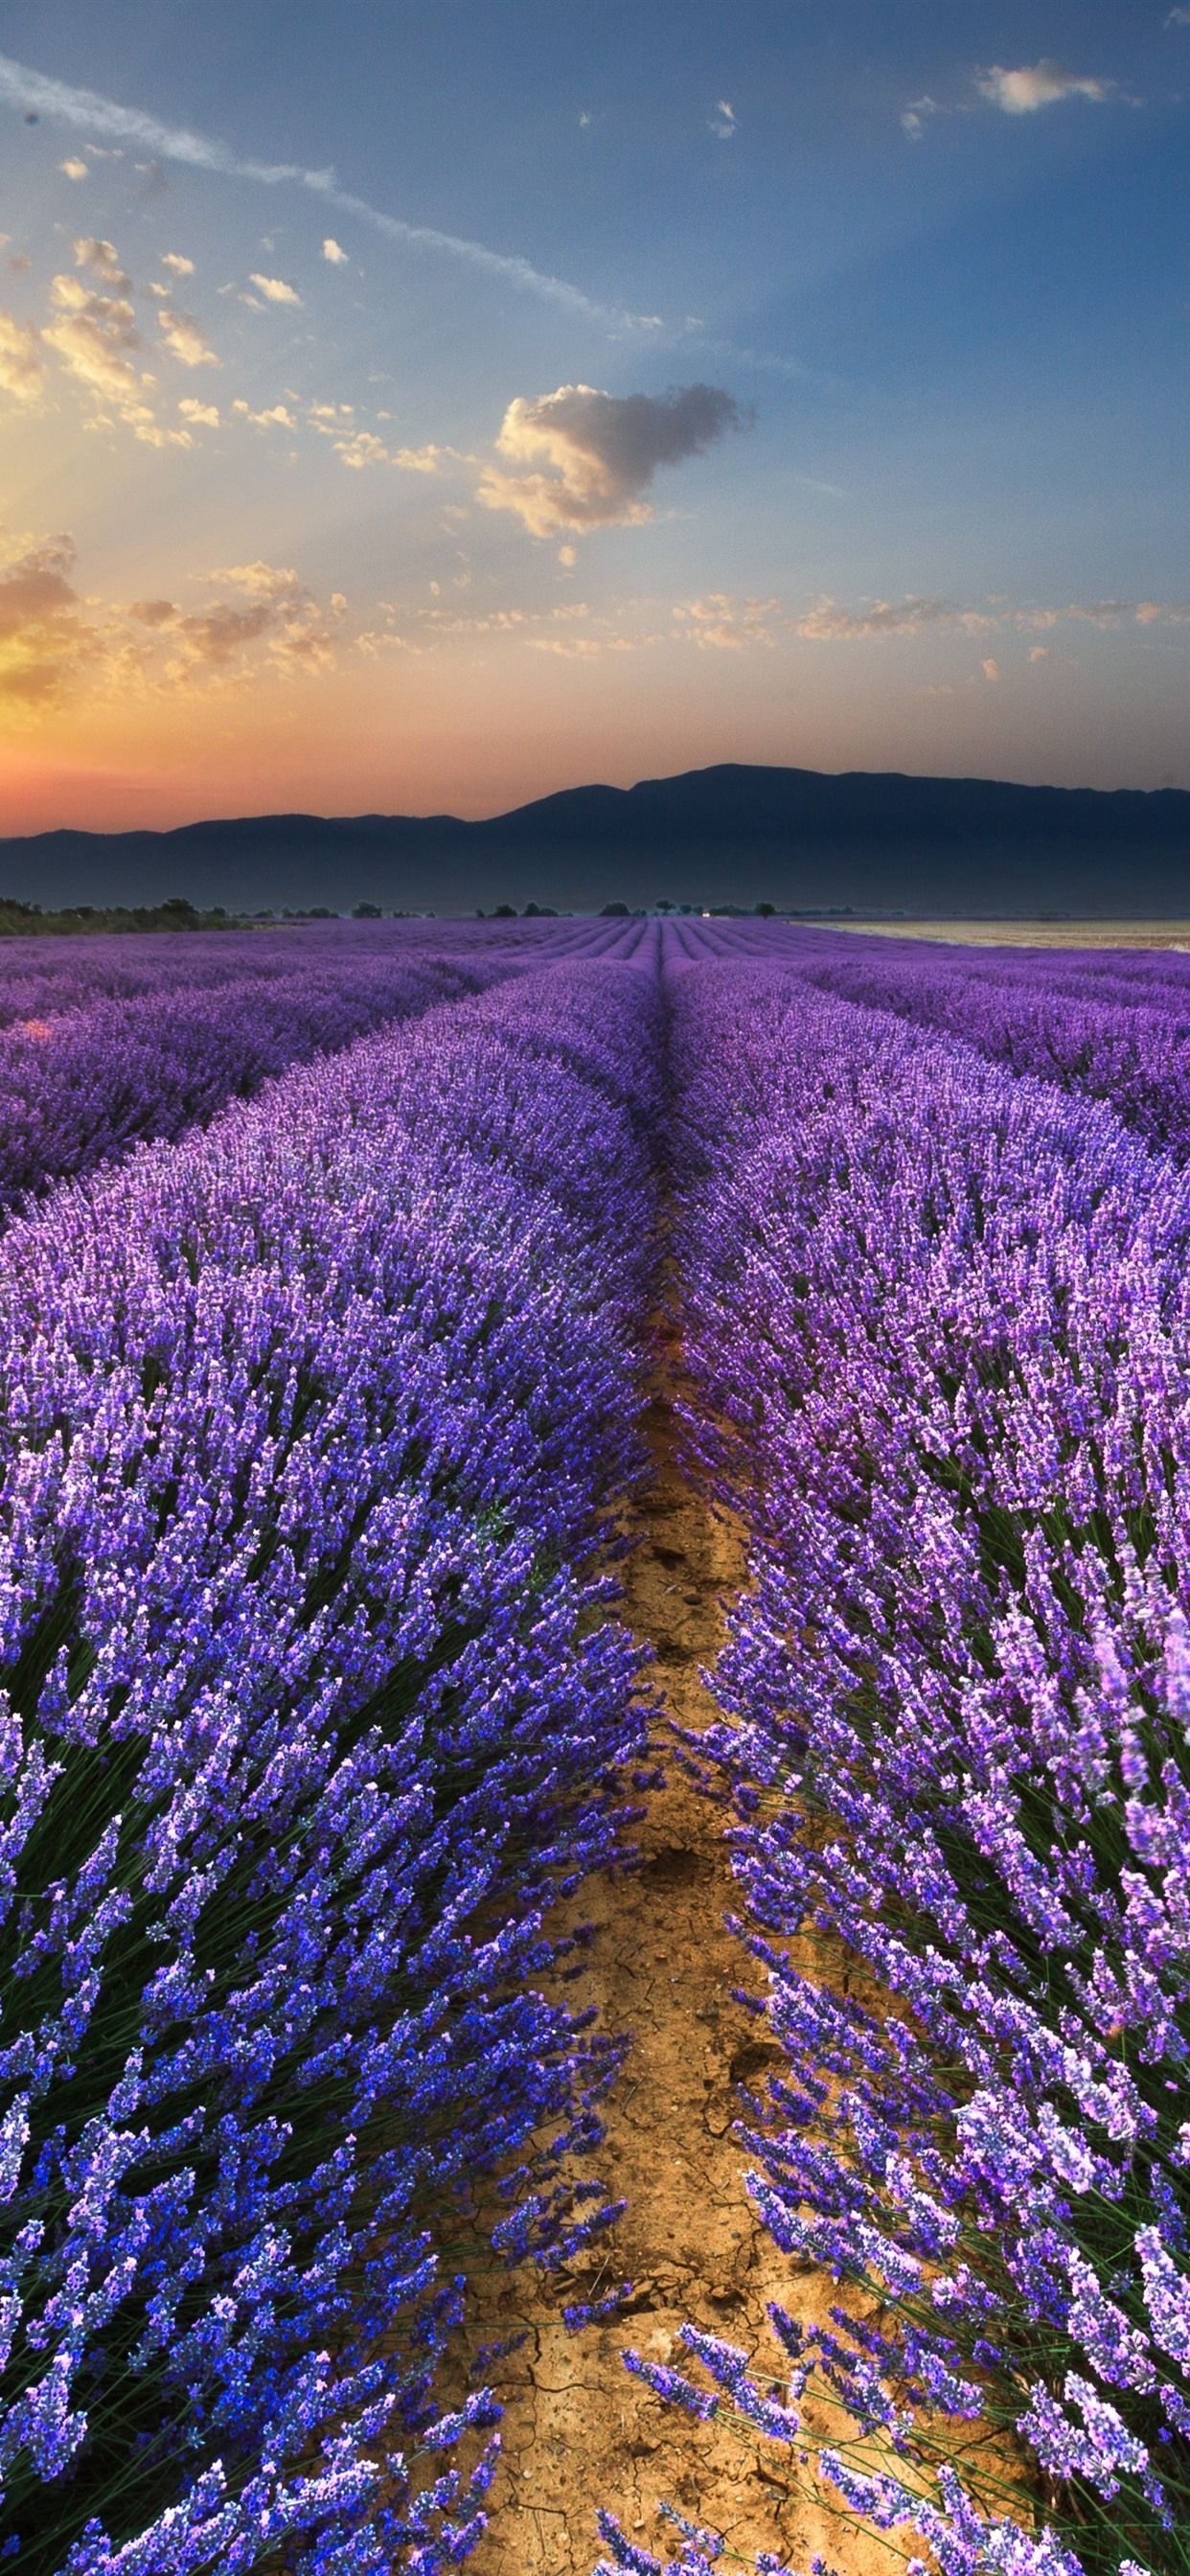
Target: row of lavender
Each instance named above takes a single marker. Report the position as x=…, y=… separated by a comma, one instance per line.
x=42, y=978
x=310, y=1424
x=1116, y=1028
x=91, y=1074
x=937, y=1320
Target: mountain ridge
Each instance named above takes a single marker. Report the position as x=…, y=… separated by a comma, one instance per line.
x=735, y=832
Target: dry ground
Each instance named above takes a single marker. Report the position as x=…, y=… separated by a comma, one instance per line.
x=579, y=2431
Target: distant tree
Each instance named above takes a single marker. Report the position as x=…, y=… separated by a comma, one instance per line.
x=614, y=912
x=664, y=905
x=504, y=912
x=366, y=912
x=766, y=910
x=540, y=912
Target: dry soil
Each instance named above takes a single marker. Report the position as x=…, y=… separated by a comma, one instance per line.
x=579, y=2431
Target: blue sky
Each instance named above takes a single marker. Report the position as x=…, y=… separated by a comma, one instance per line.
x=798, y=382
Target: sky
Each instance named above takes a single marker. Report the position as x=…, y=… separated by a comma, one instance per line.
x=422, y=408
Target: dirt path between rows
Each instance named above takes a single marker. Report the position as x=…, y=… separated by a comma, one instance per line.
x=579, y=2431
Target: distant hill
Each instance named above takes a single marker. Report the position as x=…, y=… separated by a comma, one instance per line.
x=732, y=834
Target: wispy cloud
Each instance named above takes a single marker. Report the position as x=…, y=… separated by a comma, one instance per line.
x=827, y=622
x=915, y=117
x=86, y=111
x=601, y=450
x=723, y=122
x=718, y=623
x=1043, y=84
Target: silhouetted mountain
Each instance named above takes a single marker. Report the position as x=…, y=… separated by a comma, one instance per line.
x=733, y=834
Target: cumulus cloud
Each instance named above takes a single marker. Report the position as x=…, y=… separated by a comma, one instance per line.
x=184, y=339
x=1039, y=652
x=990, y=668
x=201, y=415
x=601, y=452
x=20, y=360
x=74, y=169
x=275, y=290
x=180, y=267
x=335, y=252
x=1043, y=84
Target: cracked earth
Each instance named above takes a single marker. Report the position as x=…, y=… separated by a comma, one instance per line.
x=578, y=2430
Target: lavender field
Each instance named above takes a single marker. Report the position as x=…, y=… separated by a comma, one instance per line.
x=351, y=1279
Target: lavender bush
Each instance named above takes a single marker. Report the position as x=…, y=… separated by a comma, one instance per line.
x=311, y=1424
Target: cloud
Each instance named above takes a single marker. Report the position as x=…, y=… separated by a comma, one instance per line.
x=85, y=110
x=94, y=337
x=172, y=259
x=573, y=648
x=104, y=259
x=1044, y=84
x=1178, y=18
x=361, y=447
x=74, y=169
x=333, y=251
x=201, y=415
x=263, y=580
x=990, y=668
x=277, y=417
x=50, y=640
x=183, y=337
x=1039, y=652
x=913, y=119
x=723, y=122
x=827, y=623
x=718, y=623
x=44, y=636
x=602, y=451
x=275, y=290
x=20, y=360
x=153, y=612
